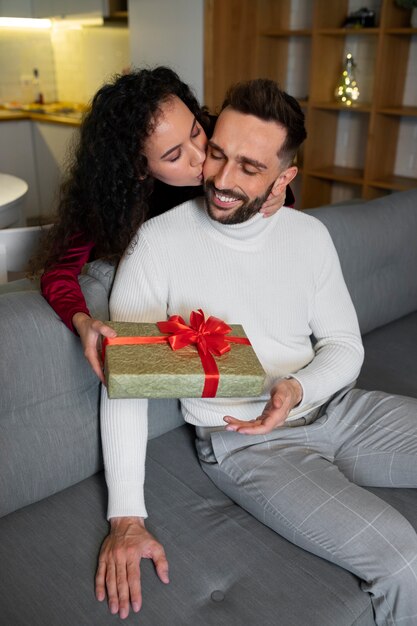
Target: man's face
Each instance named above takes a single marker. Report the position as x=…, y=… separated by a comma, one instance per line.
x=242, y=166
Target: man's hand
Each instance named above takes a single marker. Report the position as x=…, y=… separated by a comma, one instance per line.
x=285, y=395
x=90, y=331
x=274, y=201
x=118, y=568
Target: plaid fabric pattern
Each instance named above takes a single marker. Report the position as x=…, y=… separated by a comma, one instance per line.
x=306, y=483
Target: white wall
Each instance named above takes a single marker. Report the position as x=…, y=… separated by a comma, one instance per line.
x=169, y=32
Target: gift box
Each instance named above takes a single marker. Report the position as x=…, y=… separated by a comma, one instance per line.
x=172, y=359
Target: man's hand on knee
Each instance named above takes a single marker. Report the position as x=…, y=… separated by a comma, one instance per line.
x=118, y=571
x=285, y=395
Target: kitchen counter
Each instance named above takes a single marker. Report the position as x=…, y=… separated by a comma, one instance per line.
x=51, y=114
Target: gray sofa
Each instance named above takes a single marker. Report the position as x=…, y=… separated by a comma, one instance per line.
x=226, y=568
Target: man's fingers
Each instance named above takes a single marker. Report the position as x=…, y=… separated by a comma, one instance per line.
x=95, y=362
x=111, y=586
x=245, y=427
x=101, y=581
x=161, y=564
x=103, y=329
x=256, y=428
x=133, y=579
x=122, y=588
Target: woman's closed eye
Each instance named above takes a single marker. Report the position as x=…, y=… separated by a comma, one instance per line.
x=196, y=131
x=174, y=157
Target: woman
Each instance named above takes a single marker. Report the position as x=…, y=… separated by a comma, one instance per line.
x=132, y=162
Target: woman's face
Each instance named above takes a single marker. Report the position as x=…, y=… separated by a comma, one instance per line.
x=176, y=149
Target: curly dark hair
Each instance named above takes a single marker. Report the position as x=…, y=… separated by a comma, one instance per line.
x=105, y=194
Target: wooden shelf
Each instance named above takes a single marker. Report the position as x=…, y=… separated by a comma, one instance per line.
x=348, y=32
x=336, y=106
x=302, y=46
x=287, y=33
x=401, y=31
x=398, y=111
x=337, y=173
x=395, y=183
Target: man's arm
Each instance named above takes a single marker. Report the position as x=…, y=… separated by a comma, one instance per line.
x=338, y=351
x=137, y=295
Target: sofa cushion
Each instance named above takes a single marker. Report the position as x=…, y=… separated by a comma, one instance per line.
x=102, y=271
x=48, y=404
x=376, y=243
x=390, y=358
x=226, y=568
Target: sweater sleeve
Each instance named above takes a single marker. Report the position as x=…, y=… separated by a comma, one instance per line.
x=338, y=345
x=138, y=294
x=60, y=286
x=124, y=433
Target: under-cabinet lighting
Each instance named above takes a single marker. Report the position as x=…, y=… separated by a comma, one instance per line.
x=24, y=22
x=76, y=22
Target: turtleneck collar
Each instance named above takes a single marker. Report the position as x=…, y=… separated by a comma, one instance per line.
x=250, y=232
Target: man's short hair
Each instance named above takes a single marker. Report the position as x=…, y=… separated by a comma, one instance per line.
x=263, y=98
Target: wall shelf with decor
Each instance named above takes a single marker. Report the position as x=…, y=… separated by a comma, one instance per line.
x=365, y=150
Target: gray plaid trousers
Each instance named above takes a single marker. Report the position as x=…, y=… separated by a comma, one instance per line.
x=306, y=483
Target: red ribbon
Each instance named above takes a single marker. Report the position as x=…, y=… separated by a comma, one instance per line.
x=209, y=337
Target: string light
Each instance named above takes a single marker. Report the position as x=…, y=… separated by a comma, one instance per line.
x=347, y=90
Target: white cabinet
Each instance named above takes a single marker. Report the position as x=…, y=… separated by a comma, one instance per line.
x=36, y=152
x=53, y=8
x=51, y=144
x=62, y=8
x=15, y=8
x=59, y=8
x=17, y=158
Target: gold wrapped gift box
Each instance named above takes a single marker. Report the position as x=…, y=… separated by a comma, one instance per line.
x=158, y=371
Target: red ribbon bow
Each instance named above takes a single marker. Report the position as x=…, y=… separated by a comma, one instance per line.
x=209, y=337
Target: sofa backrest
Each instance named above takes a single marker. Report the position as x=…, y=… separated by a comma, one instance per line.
x=49, y=399
x=377, y=246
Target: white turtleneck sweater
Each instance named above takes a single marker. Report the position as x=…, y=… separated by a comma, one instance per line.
x=279, y=277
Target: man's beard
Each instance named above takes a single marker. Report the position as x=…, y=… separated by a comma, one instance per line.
x=244, y=212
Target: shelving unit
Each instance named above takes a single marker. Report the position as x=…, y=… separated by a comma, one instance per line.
x=350, y=151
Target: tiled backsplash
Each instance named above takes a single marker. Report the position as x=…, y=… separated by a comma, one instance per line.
x=20, y=52
x=72, y=64
x=86, y=58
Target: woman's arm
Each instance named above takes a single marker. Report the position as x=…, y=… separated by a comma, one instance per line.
x=59, y=284
x=61, y=289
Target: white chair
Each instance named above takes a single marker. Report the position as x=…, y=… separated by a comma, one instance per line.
x=17, y=245
x=12, y=195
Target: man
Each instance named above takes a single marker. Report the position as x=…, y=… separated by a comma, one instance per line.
x=296, y=462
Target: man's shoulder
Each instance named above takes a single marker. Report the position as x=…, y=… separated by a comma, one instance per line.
x=304, y=222
x=174, y=220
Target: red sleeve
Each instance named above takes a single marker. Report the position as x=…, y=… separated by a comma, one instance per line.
x=60, y=286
